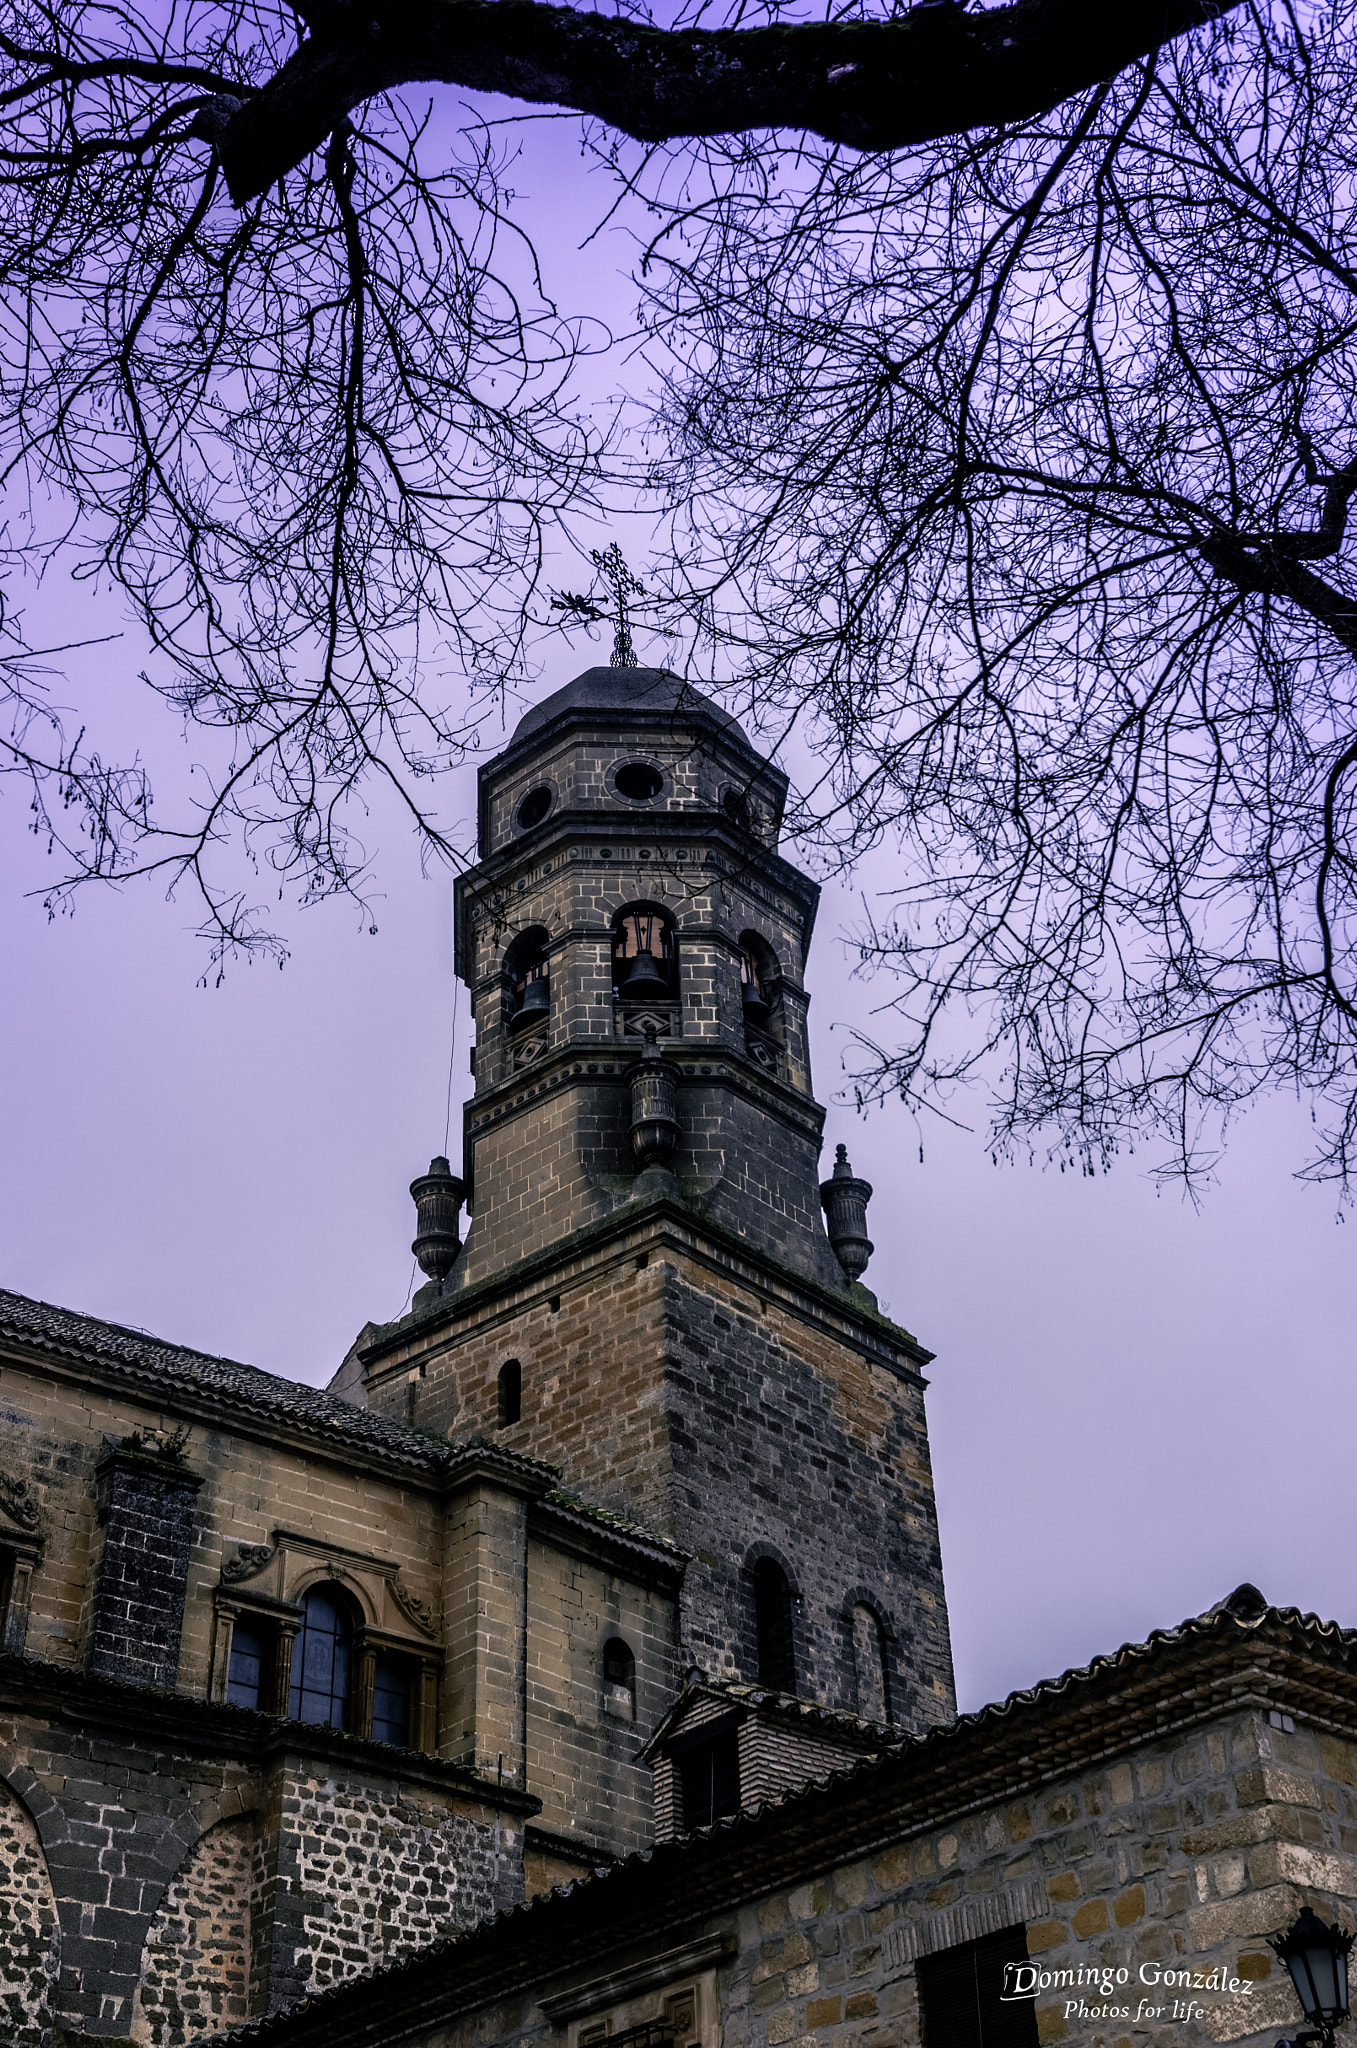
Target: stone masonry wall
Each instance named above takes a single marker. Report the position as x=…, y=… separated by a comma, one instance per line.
x=581, y=1750
x=785, y=1443
x=116, y=1819
x=372, y=1875
x=195, y=1966
x=29, y=1935
x=577, y=766
x=1159, y=1875
x=53, y=1435
x=680, y=1394
x=147, y=1513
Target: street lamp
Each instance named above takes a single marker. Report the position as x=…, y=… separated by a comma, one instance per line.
x=1317, y=1958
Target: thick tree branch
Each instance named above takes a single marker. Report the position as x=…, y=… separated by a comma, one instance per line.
x=873, y=85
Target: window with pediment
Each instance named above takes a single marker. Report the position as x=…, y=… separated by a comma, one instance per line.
x=354, y=1649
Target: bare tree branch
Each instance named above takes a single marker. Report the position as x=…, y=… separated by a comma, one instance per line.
x=874, y=85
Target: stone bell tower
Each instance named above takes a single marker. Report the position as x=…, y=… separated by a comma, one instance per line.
x=647, y=1297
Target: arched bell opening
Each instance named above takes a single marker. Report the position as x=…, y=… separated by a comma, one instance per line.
x=645, y=969
x=761, y=1001
x=527, y=981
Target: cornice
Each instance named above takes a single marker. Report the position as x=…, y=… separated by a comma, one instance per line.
x=595, y=1062
x=179, y=1723
x=867, y=1331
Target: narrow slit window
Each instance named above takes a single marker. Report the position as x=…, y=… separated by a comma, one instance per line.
x=619, y=1680
x=249, y=1656
x=391, y=1702
x=773, y=1627
x=510, y=1392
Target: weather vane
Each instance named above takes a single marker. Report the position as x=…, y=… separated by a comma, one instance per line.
x=625, y=589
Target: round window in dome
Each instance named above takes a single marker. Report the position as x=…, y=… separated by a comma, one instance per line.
x=534, y=807
x=639, y=781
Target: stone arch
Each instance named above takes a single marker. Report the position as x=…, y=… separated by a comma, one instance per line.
x=338, y=1580
x=645, y=927
x=761, y=986
x=196, y=1959
x=30, y=1932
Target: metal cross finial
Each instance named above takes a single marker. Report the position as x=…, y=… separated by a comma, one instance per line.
x=624, y=588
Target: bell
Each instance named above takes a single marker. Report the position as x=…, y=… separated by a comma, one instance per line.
x=756, y=1011
x=536, y=1001
x=645, y=977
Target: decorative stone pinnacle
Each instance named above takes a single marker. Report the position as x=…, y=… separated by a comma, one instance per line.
x=437, y=1197
x=844, y=1199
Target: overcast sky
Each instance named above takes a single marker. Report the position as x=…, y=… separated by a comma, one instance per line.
x=1134, y=1407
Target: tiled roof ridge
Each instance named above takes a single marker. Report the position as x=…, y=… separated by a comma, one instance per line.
x=1245, y=1610
x=888, y=1732
x=216, y=1378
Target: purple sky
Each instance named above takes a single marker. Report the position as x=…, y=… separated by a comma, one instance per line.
x=1134, y=1405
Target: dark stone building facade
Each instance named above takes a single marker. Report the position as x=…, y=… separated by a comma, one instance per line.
x=635, y=1502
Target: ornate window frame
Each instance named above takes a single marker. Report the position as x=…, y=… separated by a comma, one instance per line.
x=267, y=1581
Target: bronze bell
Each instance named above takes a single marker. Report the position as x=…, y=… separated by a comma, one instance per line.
x=645, y=978
x=437, y=1197
x=756, y=1011
x=536, y=1002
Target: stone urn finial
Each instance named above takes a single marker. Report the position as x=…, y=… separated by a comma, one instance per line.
x=844, y=1199
x=655, y=1128
x=437, y=1197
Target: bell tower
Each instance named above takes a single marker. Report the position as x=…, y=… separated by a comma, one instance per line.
x=647, y=1264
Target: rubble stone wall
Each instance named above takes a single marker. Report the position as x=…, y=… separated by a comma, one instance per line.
x=195, y=1965
x=29, y=1934
x=1148, y=1888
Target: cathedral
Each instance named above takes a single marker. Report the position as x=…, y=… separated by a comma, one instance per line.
x=575, y=1667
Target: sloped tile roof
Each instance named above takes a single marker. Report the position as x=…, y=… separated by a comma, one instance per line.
x=1217, y=1659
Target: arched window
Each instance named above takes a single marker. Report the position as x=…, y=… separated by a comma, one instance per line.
x=322, y=1660
x=391, y=1701
x=645, y=957
x=510, y=1390
x=773, y=1627
x=871, y=1664
x=619, y=1679
x=527, y=974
